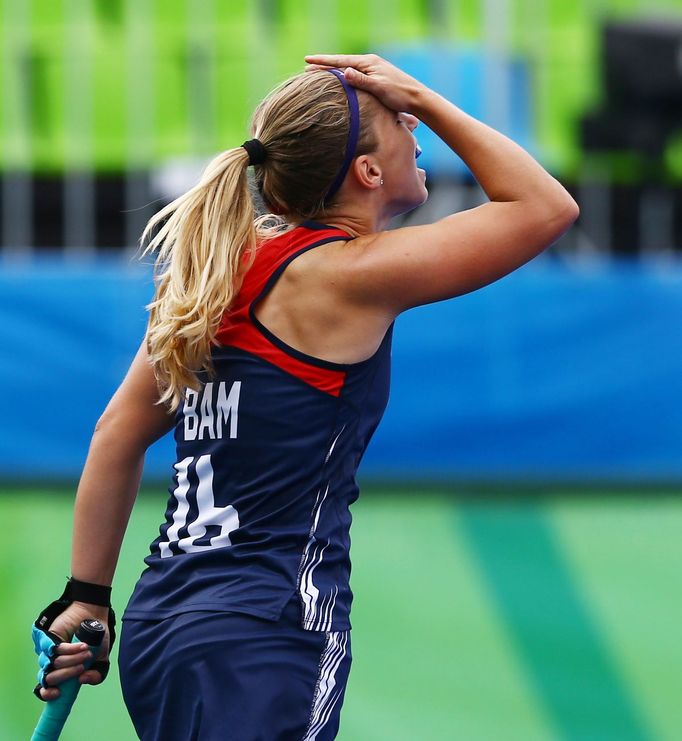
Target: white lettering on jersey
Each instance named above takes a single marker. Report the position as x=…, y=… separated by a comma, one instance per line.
x=205, y=417
x=207, y=423
x=190, y=414
x=228, y=407
x=225, y=518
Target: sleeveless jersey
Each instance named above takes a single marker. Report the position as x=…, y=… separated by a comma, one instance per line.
x=267, y=453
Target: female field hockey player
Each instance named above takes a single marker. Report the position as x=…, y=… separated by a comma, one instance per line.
x=268, y=352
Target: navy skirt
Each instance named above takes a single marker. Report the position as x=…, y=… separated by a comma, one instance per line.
x=209, y=676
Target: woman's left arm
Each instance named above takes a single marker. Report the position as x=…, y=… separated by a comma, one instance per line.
x=107, y=491
x=108, y=486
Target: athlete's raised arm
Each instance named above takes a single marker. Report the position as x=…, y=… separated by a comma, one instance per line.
x=107, y=490
x=528, y=208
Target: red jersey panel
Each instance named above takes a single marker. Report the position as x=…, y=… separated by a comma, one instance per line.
x=240, y=328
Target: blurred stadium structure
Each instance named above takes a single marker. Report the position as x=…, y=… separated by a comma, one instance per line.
x=111, y=108
x=108, y=107
x=521, y=618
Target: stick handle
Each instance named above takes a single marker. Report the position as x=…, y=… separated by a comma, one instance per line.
x=56, y=711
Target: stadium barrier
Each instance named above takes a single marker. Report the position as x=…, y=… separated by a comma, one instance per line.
x=554, y=373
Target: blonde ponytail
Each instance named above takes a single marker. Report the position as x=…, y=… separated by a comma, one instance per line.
x=201, y=241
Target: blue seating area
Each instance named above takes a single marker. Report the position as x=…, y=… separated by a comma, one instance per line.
x=464, y=75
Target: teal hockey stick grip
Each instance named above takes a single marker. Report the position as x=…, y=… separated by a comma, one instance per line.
x=56, y=711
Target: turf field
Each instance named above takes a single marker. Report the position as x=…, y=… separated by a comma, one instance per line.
x=552, y=617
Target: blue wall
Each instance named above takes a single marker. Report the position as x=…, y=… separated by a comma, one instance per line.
x=466, y=74
x=551, y=374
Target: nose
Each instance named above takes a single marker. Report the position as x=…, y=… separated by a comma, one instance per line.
x=411, y=121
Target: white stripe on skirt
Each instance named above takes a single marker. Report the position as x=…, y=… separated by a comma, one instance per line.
x=326, y=696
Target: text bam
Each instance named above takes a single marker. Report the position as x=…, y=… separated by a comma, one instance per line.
x=207, y=412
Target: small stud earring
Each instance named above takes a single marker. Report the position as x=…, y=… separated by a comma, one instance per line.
x=381, y=182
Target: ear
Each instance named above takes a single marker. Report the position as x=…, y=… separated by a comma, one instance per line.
x=367, y=171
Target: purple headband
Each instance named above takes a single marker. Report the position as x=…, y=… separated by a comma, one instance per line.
x=353, y=133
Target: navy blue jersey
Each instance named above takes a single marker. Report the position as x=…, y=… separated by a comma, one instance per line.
x=267, y=453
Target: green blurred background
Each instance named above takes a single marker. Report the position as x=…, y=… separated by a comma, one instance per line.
x=178, y=77
x=508, y=611
x=516, y=617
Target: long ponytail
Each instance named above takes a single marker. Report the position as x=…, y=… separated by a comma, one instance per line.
x=201, y=241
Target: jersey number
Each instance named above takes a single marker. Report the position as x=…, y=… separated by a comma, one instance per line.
x=225, y=518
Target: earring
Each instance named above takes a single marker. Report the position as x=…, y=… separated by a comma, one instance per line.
x=381, y=182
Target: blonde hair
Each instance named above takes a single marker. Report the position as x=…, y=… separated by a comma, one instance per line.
x=206, y=239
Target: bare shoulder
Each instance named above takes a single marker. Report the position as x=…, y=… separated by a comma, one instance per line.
x=312, y=309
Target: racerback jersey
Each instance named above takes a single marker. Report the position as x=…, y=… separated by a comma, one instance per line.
x=267, y=453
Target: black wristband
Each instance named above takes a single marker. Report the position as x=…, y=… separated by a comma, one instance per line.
x=83, y=591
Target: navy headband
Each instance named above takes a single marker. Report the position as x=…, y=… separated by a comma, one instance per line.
x=353, y=134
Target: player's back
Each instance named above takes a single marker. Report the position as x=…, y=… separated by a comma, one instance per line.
x=267, y=453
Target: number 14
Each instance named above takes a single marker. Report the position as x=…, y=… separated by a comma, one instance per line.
x=226, y=518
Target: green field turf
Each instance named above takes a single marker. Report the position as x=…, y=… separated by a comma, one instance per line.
x=548, y=618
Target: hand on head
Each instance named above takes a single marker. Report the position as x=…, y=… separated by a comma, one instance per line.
x=393, y=87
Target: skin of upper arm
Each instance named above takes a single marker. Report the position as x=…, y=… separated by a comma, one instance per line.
x=132, y=418
x=399, y=269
